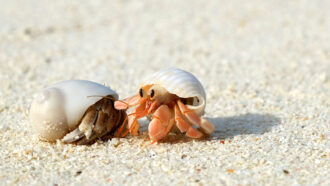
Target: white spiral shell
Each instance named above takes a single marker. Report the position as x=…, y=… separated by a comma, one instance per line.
x=182, y=84
x=57, y=109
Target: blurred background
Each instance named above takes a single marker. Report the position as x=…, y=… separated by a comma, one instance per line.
x=265, y=65
x=119, y=41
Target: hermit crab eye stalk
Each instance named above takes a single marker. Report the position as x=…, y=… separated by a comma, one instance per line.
x=141, y=92
x=152, y=93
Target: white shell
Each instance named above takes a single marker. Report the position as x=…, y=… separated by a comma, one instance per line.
x=182, y=84
x=57, y=109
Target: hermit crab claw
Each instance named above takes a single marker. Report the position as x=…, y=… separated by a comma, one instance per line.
x=128, y=102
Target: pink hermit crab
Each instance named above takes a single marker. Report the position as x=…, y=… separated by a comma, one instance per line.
x=168, y=97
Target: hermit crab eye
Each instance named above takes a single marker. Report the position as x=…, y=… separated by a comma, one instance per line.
x=141, y=92
x=152, y=93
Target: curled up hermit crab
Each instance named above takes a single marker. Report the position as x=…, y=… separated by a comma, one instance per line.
x=168, y=97
x=76, y=111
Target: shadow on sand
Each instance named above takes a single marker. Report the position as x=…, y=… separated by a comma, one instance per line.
x=228, y=127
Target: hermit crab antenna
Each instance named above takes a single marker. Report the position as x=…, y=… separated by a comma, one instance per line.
x=106, y=97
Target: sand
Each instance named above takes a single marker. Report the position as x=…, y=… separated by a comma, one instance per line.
x=265, y=66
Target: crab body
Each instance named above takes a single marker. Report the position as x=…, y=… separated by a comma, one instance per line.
x=77, y=111
x=169, y=97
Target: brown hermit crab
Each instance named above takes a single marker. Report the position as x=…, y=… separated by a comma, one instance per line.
x=76, y=111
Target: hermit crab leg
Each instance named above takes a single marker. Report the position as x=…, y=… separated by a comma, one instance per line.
x=190, y=115
x=151, y=107
x=142, y=110
x=128, y=102
x=133, y=123
x=98, y=130
x=184, y=126
x=73, y=136
x=100, y=127
x=125, y=104
x=161, y=123
x=205, y=125
x=84, y=129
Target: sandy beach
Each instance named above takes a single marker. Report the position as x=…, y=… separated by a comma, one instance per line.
x=265, y=67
